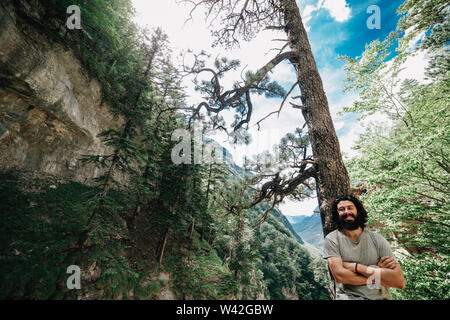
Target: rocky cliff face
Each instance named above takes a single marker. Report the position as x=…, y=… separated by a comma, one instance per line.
x=50, y=109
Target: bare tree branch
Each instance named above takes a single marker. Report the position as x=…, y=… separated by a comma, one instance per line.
x=274, y=28
x=277, y=187
x=281, y=106
x=233, y=98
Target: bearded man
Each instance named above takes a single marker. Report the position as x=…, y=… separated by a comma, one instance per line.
x=360, y=260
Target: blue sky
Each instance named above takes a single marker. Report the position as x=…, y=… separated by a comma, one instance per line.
x=349, y=37
x=335, y=27
x=340, y=28
x=330, y=38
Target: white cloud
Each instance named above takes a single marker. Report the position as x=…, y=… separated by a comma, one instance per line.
x=253, y=55
x=348, y=140
x=414, y=67
x=332, y=79
x=195, y=35
x=296, y=208
x=307, y=15
x=182, y=34
x=338, y=9
x=339, y=125
x=309, y=9
x=284, y=73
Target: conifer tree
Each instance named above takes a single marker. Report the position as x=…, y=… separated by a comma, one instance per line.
x=245, y=18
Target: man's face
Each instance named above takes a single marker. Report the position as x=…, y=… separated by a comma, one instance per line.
x=347, y=215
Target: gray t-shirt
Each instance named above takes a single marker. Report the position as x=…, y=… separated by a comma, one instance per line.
x=368, y=250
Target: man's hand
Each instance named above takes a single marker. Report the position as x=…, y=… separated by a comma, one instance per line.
x=387, y=262
x=344, y=272
x=391, y=272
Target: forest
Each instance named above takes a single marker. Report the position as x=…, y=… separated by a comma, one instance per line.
x=144, y=227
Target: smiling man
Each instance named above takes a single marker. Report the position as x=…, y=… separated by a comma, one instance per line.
x=360, y=260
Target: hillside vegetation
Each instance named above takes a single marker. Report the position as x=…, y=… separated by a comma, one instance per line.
x=166, y=230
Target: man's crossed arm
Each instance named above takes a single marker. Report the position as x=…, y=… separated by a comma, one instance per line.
x=391, y=274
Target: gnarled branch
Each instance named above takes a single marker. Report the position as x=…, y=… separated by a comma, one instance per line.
x=232, y=98
x=279, y=188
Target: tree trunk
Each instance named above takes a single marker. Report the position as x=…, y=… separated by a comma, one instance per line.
x=202, y=234
x=332, y=178
x=208, y=238
x=208, y=187
x=163, y=246
x=191, y=228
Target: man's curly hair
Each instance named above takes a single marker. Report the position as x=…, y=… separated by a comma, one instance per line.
x=361, y=213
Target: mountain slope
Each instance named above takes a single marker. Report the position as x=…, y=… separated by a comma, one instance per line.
x=151, y=235
x=309, y=228
x=279, y=216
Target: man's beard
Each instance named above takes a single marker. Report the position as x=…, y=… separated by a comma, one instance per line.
x=348, y=225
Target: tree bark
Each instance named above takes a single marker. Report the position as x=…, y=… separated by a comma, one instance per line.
x=163, y=246
x=191, y=228
x=332, y=177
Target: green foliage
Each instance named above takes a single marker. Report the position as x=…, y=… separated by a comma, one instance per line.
x=32, y=244
x=432, y=19
x=218, y=254
x=200, y=274
x=114, y=52
x=427, y=277
x=109, y=44
x=39, y=233
x=369, y=72
x=152, y=288
x=288, y=268
x=404, y=163
x=248, y=249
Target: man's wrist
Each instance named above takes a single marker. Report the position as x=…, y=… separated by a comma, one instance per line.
x=363, y=270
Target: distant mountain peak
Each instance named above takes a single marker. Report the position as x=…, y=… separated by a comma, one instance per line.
x=309, y=228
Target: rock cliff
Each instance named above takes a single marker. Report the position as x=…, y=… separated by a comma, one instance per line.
x=50, y=109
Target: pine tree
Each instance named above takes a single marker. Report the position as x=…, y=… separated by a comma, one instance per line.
x=245, y=19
